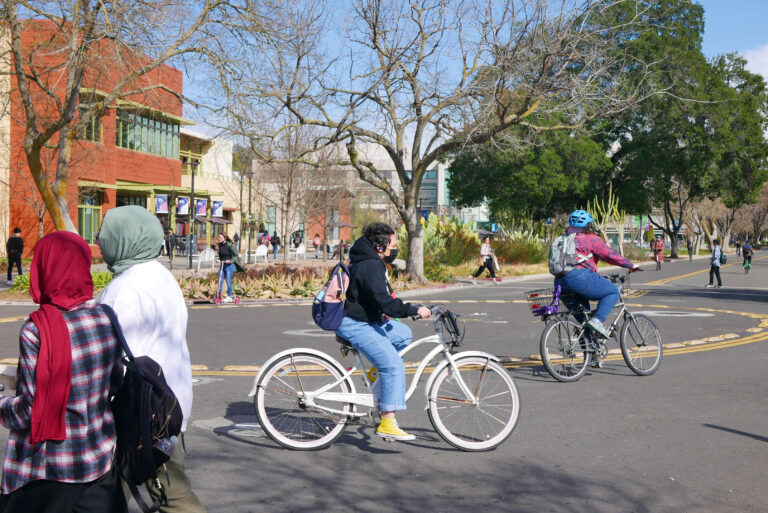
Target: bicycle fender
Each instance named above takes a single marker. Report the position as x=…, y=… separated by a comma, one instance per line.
x=445, y=363
x=287, y=352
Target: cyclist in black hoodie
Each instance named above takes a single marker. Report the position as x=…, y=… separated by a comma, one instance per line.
x=368, y=324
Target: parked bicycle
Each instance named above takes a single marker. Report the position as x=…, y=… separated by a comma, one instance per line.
x=567, y=347
x=304, y=398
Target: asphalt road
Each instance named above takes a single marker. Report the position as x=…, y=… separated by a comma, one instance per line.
x=688, y=438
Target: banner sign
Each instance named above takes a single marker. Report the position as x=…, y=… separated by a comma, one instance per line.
x=161, y=204
x=182, y=206
x=201, y=206
x=218, y=209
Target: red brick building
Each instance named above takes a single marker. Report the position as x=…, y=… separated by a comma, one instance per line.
x=131, y=155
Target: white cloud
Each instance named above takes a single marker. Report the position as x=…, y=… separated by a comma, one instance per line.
x=757, y=60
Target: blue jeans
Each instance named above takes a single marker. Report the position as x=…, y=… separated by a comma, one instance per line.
x=275, y=247
x=380, y=343
x=589, y=285
x=229, y=270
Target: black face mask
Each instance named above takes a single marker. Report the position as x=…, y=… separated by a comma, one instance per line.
x=392, y=255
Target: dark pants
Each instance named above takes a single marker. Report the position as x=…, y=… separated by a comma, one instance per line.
x=748, y=258
x=487, y=264
x=714, y=270
x=103, y=494
x=11, y=260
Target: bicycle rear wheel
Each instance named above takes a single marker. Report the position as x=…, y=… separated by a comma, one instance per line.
x=641, y=345
x=281, y=405
x=474, y=427
x=564, y=350
x=746, y=268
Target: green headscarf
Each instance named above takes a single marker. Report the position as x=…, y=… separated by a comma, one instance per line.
x=128, y=236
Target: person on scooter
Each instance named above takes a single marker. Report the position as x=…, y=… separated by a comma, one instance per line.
x=583, y=279
x=230, y=262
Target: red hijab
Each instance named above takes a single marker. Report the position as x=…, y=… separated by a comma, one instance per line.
x=59, y=279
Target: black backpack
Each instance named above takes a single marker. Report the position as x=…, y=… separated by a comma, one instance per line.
x=148, y=420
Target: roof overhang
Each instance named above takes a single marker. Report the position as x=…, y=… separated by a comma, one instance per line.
x=128, y=104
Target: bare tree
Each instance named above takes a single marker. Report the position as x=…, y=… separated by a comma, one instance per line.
x=422, y=79
x=117, y=47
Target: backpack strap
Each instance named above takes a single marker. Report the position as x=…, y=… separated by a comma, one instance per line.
x=129, y=362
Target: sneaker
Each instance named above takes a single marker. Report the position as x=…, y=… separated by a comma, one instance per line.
x=227, y=299
x=389, y=429
x=710, y=286
x=496, y=282
x=598, y=327
x=9, y=282
x=474, y=281
x=718, y=286
x=596, y=364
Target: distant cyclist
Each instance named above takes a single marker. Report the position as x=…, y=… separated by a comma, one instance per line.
x=583, y=279
x=746, y=252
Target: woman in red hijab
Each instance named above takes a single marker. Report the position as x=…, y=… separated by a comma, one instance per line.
x=62, y=438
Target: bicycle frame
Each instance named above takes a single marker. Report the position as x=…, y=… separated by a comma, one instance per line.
x=367, y=399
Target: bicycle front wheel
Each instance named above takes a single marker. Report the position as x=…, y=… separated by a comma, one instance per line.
x=284, y=410
x=564, y=350
x=641, y=345
x=485, y=420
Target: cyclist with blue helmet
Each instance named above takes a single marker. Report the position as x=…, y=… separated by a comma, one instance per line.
x=583, y=280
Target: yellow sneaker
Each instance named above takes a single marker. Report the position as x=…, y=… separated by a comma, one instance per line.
x=389, y=429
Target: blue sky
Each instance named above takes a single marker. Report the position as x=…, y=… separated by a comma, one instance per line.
x=737, y=26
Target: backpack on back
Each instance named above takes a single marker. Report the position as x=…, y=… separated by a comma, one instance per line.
x=562, y=255
x=148, y=420
x=723, y=258
x=328, y=306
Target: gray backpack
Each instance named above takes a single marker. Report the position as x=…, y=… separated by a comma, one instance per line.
x=562, y=255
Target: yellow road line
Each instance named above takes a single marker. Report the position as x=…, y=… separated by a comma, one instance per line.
x=664, y=281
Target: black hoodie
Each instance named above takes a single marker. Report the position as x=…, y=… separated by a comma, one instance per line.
x=369, y=295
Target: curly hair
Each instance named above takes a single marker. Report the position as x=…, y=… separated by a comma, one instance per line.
x=378, y=234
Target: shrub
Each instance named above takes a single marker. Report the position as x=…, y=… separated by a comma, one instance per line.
x=522, y=251
x=100, y=280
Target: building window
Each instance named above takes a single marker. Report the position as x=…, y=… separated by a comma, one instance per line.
x=89, y=215
x=271, y=219
x=430, y=175
x=92, y=130
x=148, y=135
x=131, y=199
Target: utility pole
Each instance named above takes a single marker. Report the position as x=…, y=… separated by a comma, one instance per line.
x=250, y=219
x=192, y=208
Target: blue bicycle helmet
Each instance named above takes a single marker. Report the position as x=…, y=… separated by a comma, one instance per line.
x=579, y=218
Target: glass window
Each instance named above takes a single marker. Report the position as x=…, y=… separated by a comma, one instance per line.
x=270, y=225
x=89, y=215
x=131, y=199
x=148, y=135
x=431, y=175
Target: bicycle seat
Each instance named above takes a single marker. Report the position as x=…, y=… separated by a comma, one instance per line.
x=343, y=341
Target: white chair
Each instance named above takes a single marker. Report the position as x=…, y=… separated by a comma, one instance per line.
x=300, y=251
x=261, y=251
x=205, y=257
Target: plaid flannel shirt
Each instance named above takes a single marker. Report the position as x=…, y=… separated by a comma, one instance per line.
x=87, y=452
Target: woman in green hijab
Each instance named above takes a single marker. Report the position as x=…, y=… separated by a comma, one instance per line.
x=128, y=236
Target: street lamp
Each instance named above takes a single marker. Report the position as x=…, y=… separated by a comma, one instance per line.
x=250, y=219
x=193, y=207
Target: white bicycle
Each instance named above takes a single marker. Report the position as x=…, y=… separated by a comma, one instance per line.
x=304, y=398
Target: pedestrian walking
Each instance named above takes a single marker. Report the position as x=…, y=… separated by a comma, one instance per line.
x=170, y=244
x=236, y=240
x=738, y=248
x=317, y=242
x=231, y=264
x=658, y=251
x=14, y=248
x=62, y=431
x=714, y=265
x=275, y=243
x=486, y=261
x=149, y=303
x=689, y=244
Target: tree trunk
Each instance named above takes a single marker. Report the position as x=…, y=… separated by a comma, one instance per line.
x=55, y=202
x=415, y=264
